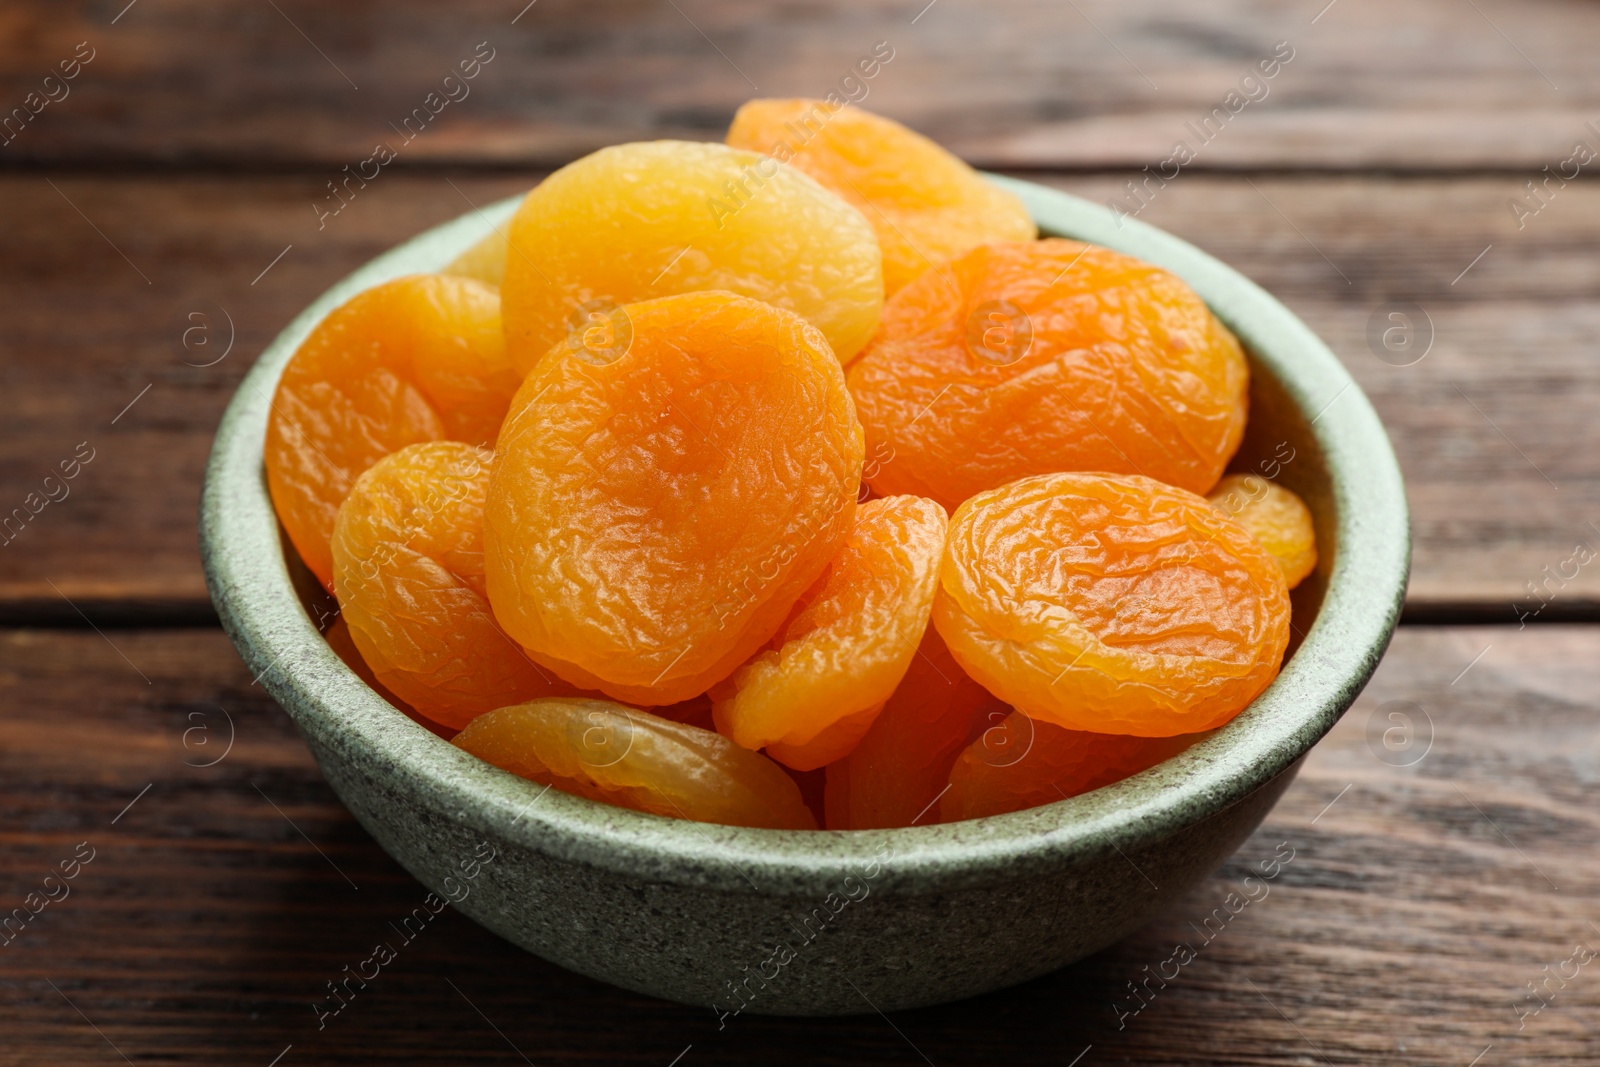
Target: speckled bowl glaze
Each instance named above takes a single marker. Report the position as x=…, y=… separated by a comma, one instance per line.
x=827, y=923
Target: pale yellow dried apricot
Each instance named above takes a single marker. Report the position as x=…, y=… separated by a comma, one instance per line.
x=650, y=219
x=1275, y=516
x=484, y=260
x=631, y=758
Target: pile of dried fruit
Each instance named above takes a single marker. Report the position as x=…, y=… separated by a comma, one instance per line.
x=791, y=482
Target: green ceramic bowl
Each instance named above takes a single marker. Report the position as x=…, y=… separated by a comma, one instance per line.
x=826, y=923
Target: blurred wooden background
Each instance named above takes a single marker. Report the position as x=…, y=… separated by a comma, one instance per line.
x=175, y=174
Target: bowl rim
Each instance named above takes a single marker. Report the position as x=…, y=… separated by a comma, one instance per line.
x=250, y=584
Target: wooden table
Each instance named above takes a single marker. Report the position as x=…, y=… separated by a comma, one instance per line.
x=1432, y=886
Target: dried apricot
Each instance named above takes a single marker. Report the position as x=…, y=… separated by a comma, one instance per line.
x=408, y=571
x=420, y=358
x=926, y=205
x=1022, y=763
x=484, y=260
x=1022, y=359
x=631, y=758
x=810, y=697
x=655, y=218
x=653, y=516
x=1275, y=516
x=1114, y=604
x=900, y=768
x=344, y=646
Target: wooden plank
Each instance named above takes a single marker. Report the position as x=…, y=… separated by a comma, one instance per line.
x=1413, y=914
x=1508, y=395
x=1098, y=83
x=102, y=302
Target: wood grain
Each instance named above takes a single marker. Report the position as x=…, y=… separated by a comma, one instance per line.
x=1010, y=83
x=1496, y=427
x=1414, y=911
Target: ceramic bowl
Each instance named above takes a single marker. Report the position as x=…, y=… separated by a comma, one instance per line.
x=828, y=922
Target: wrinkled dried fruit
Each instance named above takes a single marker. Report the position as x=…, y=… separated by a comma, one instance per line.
x=420, y=358
x=810, y=697
x=655, y=218
x=1030, y=358
x=897, y=772
x=1275, y=516
x=344, y=646
x=652, y=519
x=1022, y=763
x=408, y=571
x=1114, y=604
x=926, y=205
x=631, y=758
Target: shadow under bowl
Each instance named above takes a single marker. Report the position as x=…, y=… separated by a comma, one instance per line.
x=829, y=922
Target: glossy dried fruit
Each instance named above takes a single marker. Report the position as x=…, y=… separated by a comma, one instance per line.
x=408, y=571
x=420, y=358
x=484, y=260
x=1022, y=763
x=1275, y=516
x=1114, y=604
x=926, y=205
x=1023, y=359
x=900, y=768
x=810, y=697
x=344, y=646
x=652, y=519
x=631, y=758
x=651, y=219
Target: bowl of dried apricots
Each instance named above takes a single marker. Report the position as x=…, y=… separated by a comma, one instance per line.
x=803, y=575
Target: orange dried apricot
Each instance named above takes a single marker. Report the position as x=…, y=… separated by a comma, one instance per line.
x=1113, y=604
x=653, y=516
x=1275, y=516
x=408, y=571
x=631, y=758
x=420, y=358
x=1022, y=763
x=810, y=697
x=1022, y=359
x=897, y=772
x=926, y=205
x=344, y=646
x=655, y=218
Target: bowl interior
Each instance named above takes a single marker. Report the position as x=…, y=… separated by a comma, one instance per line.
x=1310, y=428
